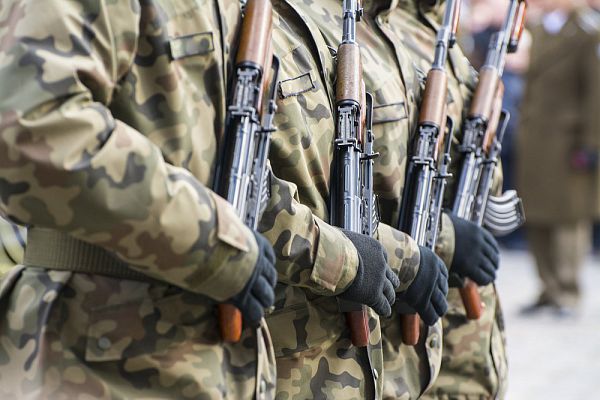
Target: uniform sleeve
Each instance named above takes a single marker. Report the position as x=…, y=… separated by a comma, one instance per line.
x=404, y=256
x=68, y=164
x=310, y=253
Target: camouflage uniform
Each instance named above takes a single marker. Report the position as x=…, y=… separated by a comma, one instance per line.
x=110, y=113
x=314, y=355
x=390, y=77
x=12, y=238
x=474, y=359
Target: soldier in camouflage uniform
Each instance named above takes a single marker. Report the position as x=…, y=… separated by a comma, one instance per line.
x=110, y=114
x=474, y=360
x=390, y=77
x=314, y=355
x=12, y=238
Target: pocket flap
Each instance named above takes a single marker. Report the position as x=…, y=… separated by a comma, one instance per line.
x=296, y=86
x=392, y=112
x=191, y=45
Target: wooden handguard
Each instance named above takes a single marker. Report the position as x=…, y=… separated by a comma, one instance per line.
x=434, y=99
x=256, y=33
x=349, y=86
x=492, y=128
x=471, y=300
x=483, y=99
x=410, y=324
x=230, y=323
x=358, y=323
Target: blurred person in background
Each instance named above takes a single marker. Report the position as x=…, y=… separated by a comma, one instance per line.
x=557, y=148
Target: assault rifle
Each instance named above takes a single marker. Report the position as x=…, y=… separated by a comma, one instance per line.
x=427, y=174
x=481, y=147
x=352, y=201
x=242, y=173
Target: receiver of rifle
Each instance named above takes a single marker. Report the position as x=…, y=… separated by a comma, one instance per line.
x=241, y=175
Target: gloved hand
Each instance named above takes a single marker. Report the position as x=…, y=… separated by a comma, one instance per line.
x=476, y=253
x=427, y=292
x=375, y=283
x=258, y=293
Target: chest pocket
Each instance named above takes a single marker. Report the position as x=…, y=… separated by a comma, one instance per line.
x=297, y=85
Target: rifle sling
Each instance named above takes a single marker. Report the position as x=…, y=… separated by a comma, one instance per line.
x=50, y=249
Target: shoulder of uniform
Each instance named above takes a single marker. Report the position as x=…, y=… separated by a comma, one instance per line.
x=589, y=19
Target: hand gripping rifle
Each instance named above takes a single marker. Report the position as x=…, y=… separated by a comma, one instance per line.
x=242, y=169
x=427, y=174
x=352, y=201
x=481, y=147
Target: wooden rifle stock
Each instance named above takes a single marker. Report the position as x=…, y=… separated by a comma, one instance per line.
x=255, y=46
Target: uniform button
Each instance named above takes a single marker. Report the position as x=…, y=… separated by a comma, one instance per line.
x=434, y=342
x=375, y=374
x=104, y=343
x=263, y=386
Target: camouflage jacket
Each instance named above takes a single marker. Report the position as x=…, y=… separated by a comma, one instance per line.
x=100, y=139
x=109, y=123
x=474, y=363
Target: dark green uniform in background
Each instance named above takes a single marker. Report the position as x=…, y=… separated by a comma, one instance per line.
x=558, y=151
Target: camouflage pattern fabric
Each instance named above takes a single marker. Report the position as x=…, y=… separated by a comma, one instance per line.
x=390, y=77
x=315, y=358
x=110, y=116
x=314, y=355
x=474, y=358
x=12, y=243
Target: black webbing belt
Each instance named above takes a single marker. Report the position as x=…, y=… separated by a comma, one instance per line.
x=50, y=249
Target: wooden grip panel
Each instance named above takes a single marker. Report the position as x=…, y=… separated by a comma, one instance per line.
x=358, y=323
x=471, y=300
x=410, y=329
x=230, y=323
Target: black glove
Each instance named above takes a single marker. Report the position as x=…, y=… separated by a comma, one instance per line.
x=375, y=283
x=258, y=293
x=427, y=292
x=476, y=254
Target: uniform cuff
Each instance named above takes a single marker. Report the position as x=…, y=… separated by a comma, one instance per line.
x=403, y=253
x=235, y=254
x=336, y=261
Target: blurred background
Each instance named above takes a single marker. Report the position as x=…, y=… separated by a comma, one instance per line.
x=551, y=267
